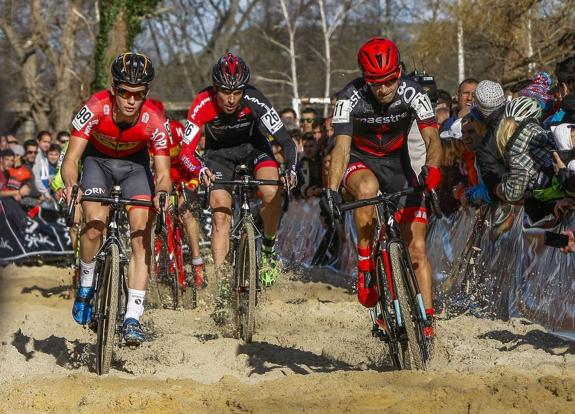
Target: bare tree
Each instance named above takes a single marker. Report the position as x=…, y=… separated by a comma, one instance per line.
x=51, y=46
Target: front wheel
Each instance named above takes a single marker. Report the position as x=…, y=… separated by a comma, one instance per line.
x=416, y=354
x=107, y=309
x=246, y=284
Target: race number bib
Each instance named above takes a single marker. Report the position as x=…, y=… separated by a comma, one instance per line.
x=422, y=106
x=341, y=111
x=272, y=121
x=191, y=131
x=82, y=118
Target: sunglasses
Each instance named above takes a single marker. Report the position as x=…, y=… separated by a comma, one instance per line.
x=386, y=81
x=126, y=94
x=307, y=120
x=31, y=152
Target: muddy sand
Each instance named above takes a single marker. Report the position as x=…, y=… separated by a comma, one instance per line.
x=312, y=352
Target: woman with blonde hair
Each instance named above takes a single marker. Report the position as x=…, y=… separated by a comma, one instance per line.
x=526, y=149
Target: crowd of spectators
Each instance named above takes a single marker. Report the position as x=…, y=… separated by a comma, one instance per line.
x=27, y=170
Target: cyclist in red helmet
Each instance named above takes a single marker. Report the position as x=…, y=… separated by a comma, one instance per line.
x=238, y=120
x=372, y=119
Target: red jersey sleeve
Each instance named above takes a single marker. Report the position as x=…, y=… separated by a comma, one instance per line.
x=89, y=115
x=160, y=134
x=201, y=111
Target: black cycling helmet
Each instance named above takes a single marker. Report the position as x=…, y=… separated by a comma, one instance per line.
x=133, y=69
x=231, y=72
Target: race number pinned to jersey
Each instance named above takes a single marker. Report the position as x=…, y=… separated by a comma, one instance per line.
x=341, y=111
x=82, y=118
x=422, y=106
x=272, y=121
x=191, y=131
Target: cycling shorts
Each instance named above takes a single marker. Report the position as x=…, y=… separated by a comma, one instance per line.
x=394, y=173
x=223, y=161
x=99, y=174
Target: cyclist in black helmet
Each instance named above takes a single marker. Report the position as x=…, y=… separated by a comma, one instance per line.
x=111, y=136
x=237, y=121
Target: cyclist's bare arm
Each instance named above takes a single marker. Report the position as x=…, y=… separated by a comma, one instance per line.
x=70, y=163
x=339, y=160
x=433, y=146
x=162, y=173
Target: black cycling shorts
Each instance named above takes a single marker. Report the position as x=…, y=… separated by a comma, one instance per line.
x=394, y=173
x=99, y=174
x=223, y=161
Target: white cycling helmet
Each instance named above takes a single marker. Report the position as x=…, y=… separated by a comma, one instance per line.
x=522, y=108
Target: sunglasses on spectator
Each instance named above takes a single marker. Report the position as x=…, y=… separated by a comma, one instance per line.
x=31, y=152
x=307, y=120
x=126, y=94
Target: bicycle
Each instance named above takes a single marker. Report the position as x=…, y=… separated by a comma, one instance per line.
x=399, y=316
x=244, y=236
x=111, y=289
x=173, y=256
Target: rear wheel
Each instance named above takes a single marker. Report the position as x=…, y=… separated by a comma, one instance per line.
x=107, y=309
x=415, y=355
x=246, y=284
x=166, y=278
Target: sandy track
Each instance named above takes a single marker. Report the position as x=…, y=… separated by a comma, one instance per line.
x=312, y=353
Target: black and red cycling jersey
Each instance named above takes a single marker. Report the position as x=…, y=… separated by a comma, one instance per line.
x=380, y=129
x=94, y=123
x=254, y=122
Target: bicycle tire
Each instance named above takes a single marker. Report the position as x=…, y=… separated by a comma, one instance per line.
x=385, y=304
x=415, y=354
x=246, y=284
x=107, y=309
x=165, y=277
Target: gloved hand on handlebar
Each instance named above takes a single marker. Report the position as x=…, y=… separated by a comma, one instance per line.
x=430, y=176
x=329, y=204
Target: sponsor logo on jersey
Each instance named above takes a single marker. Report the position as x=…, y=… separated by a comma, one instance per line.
x=159, y=139
x=145, y=117
x=256, y=101
x=113, y=144
x=106, y=109
x=199, y=106
x=384, y=119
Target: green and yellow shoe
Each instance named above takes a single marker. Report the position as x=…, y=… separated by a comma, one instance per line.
x=270, y=268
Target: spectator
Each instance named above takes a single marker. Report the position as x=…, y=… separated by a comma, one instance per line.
x=295, y=135
x=288, y=114
x=317, y=130
x=539, y=88
x=443, y=108
x=11, y=140
x=41, y=168
x=487, y=110
x=311, y=167
x=308, y=115
x=62, y=137
x=9, y=186
x=452, y=151
x=53, y=157
x=565, y=73
x=3, y=142
x=465, y=98
x=564, y=136
x=328, y=126
x=31, y=150
x=526, y=150
x=518, y=86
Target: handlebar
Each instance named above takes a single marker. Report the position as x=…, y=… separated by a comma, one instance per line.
x=381, y=198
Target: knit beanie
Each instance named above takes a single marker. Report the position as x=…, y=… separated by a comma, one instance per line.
x=539, y=89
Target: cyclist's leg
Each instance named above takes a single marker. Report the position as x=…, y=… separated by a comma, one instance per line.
x=94, y=181
x=192, y=230
x=271, y=196
x=221, y=203
x=362, y=183
x=414, y=233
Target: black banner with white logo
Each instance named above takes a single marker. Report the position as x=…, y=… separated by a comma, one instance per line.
x=24, y=239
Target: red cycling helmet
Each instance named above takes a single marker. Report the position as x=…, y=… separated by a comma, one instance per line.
x=231, y=72
x=378, y=59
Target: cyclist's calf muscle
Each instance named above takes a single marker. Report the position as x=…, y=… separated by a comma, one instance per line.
x=221, y=203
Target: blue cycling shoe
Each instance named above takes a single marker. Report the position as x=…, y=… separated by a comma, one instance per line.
x=82, y=309
x=133, y=334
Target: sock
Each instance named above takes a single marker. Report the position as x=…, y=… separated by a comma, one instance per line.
x=364, y=259
x=135, y=307
x=268, y=243
x=87, y=273
x=197, y=261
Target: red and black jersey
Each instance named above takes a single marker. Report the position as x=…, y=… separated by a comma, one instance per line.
x=379, y=129
x=254, y=122
x=94, y=123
